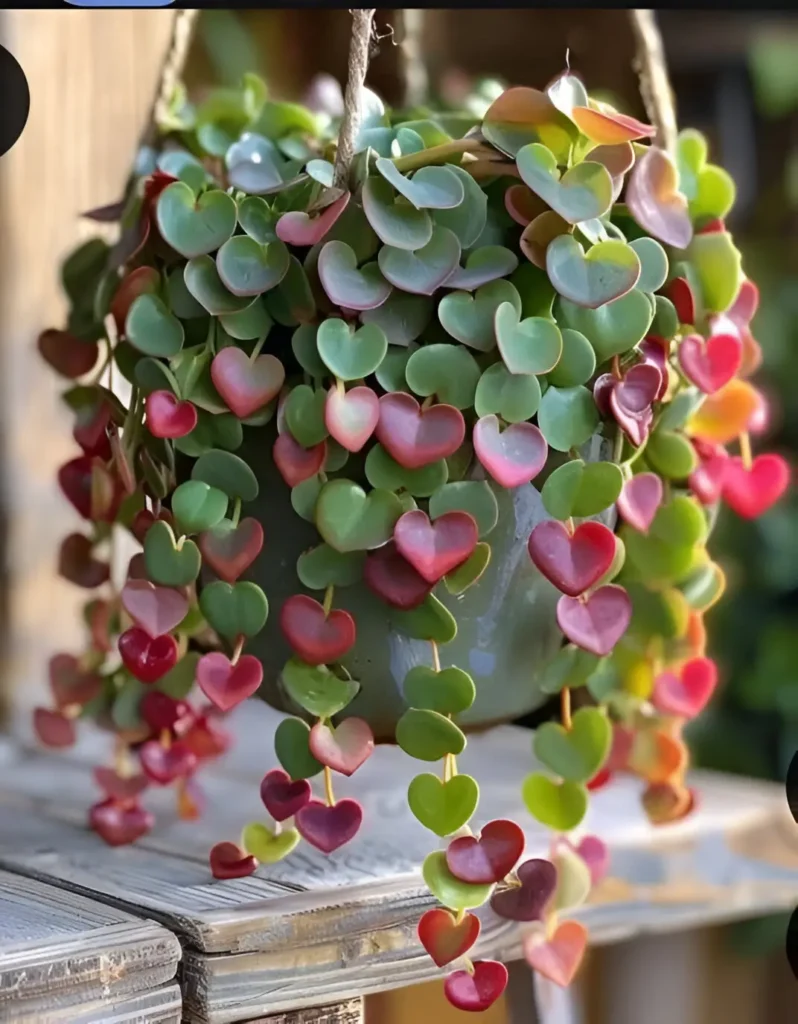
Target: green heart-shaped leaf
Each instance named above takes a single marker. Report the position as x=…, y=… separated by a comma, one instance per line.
x=292, y=302
x=468, y=219
x=304, y=414
x=449, y=692
x=472, y=496
x=181, y=302
x=470, y=318
x=514, y=397
x=195, y=226
x=467, y=574
x=305, y=496
x=577, y=753
x=430, y=188
x=348, y=355
x=228, y=473
x=653, y=264
x=671, y=454
x=581, y=489
x=234, y=610
x=661, y=613
x=291, y=745
x=447, y=889
x=529, y=346
x=423, y=271
x=580, y=194
x=571, y=667
x=612, y=329
x=431, y=621
x=718, y=266
x=402, y=317
x=577, y=362
x=152, y=329
x=483, y=265
x=447, y=371
x=396, y=221
x=709, y=189
x=348, y=285
x=443, y=807
x=252, y=322
x=198, y=506
x=268, y=847
x=316, y=689
x=567, y=417
x=323, y=567
x=606, y=272
x=382, y=471
x=177, y=683
x=428, y=735
x=248, y=268
x=166, y=563
x=557, y=805
x=522, y=115
x=203, y=282
x=258, y=219
x=351, y=520
x=303, y=345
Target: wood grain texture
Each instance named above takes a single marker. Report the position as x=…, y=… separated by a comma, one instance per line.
x=314, y=930
x=92, y=76
x=157, y=1006
x=60, y=949
x=350, y=1012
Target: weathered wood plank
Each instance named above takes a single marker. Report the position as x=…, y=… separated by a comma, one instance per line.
x=158, y=1006
x=350, y=1012
x=60, y=949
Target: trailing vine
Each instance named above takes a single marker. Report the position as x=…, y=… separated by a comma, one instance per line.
x=465, y=307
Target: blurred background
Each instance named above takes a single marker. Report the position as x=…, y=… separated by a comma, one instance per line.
x=735, y=75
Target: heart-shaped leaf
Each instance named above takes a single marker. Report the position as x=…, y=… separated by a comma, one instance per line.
x=402, y=317
x=382, y=471
x=514, y=397
x=323, y=567
x=483, y=265
x=611, y=329
x=396, y=221
x=567, y=417
x=582, y=193
x=168, y=564
x=228, y=473
x=236, y=610
x=257, y=219
x=450, y=891
x=522, y=115
x=316, y=689
x=468, y=219
x=470, y=319
x=577, y=753
x=653, y=264
x=194, y=226
x=202, y=279
x=428, y=735
x=423, y=271
x=472, y=496
x=466, y=575
x=304, y=415
x=248, y=268
x=608, y=270
x=348, y=355
x=351, y=520
x=443, y=807
x=529, y=346
x=577, y=362
x=557, y=805
x=447, y=371
x=449, y=692
x=430, y=620
x=347, y=285
x=152, y=329
x=513, y=456
x=298, y=228
x=266, y=846
x=291, y=745
x=718, y=267
x=654, y=199
x=540, y=232
x=581, y=489
x=430, y=188
x=197, y=507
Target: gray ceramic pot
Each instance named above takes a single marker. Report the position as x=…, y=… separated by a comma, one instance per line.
x=507, y=631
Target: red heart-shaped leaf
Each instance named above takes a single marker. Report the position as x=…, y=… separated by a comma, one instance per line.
x=229, y=861
x=140, y=281
x=444, y=938
x=631, y=399
x=317, y=638
x=69, y=683
x=53, y=728
x=572, y=562
x=297, y=228
x=283, y=797
x=345, y=748
x=144, y=519
x=147, y=658
x=478, y=991
x=488, y=859
x=77, y=564
x=168, y=417
x=206, y=739
x=529, y=900
x=160, y=711
x=687, y=692
x=226, y=684
x=67, y=355
x=751, y=492
x=296, y=463
x=393, y=579
x=712, y=363
x=165, y=764
x=231, y=551
x=681, y=295
x=120, y=824
x=328, y=828
x=416, y=437
x=598, y=622
x=91, y=429
x=435, y=548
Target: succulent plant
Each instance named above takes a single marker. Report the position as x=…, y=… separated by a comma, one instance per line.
x=460, y=315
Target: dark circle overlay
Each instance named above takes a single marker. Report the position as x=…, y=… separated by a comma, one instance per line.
x=15, y=104
x=792, y=786
x=792, y=943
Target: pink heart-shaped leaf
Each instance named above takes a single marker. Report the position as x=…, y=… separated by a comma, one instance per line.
x=351, y=416
x=640, y=499
x=283, y=797
x=489, y=858
x=514, y=456
x=572, y=562
x=559, y=957
x=345, y=748
x=706, y=480
x=318, y=638
x=478, y=991
x=687, y=692
x=444, y=938
x=245, y=384
x=653, y=196
x=147, y=658
x=53, y=728
x=328, y=828
x=751, y=492
x=229, y=861
x=157, y=610
x=712, y=363
x=295, y=463
x=165, y=764
x=416, y=437
x=631, y=399
x=168, y=417
x=231, y=551
x=657, y=352
x=393, y=579
x=226, y=684
x=594, y=853
x=598, y=622
x=120, y=824
x=69, y=683
x=120, y=787
x=297, y=228
x=529, y=900
x=435, y=548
